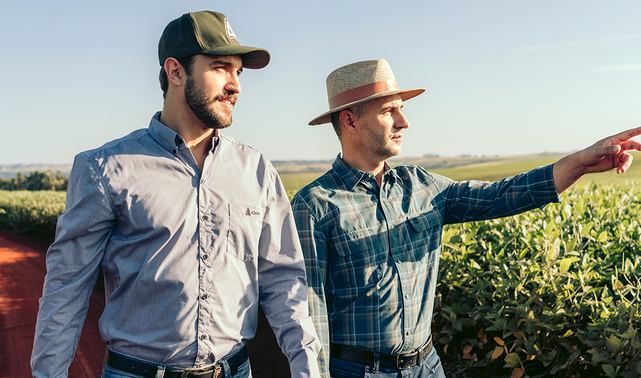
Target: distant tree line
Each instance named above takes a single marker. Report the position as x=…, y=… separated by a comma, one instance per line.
x=36, y=181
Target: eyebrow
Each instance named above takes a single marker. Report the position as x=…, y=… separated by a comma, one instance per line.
x=392, y=107
x=224, y=63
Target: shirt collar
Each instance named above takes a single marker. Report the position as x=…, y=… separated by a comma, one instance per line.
x=353, y=176
x=167, y=137
x=163, y=135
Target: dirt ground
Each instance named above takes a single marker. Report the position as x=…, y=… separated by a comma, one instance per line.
x=22, y=271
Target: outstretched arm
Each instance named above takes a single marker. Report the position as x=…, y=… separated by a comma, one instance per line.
x=606, y=154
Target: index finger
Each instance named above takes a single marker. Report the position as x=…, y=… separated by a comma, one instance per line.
x=623, y=136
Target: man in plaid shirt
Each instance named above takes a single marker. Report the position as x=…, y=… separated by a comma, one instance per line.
x=371, y=234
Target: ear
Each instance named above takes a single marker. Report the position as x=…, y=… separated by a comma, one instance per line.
x=175, y=72
x=348, y=121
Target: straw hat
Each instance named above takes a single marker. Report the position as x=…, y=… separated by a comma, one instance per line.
x=359, y=82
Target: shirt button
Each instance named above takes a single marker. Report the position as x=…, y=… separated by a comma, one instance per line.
x=407, y=296
x=203, y=337
x=205, y=218
x=205, y=257
x=407, y=333
x=205, y=296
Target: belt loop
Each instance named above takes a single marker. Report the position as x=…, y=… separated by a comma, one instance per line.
x=377, y=362
x=160, y=373
x=225, y=367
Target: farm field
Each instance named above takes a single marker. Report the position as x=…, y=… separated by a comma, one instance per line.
x=550, y=293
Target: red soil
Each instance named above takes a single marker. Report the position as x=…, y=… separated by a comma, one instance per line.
x=22, y=271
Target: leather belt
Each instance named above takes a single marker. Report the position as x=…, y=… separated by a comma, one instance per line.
x=389, y=361
x=129, y=365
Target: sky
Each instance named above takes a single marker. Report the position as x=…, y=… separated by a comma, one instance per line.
x=502, y=77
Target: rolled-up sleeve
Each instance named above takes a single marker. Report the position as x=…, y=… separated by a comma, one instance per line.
x=72, y=268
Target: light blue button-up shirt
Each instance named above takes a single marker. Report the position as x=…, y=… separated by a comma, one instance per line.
x=187, y=256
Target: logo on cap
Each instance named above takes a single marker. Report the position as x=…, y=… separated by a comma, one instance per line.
x=230, y=33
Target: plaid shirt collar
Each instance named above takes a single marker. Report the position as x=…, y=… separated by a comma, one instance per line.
x=352, y=176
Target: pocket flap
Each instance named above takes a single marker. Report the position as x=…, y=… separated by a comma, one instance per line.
x=424, y=221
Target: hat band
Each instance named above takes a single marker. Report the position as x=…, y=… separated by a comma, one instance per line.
x=362, y=92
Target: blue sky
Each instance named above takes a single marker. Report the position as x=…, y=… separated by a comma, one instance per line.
x=502, y=77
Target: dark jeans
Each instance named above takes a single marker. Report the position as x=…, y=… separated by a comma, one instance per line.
x=430, y=368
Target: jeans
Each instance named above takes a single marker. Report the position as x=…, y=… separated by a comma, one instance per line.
x=430, y=368
x=244, y=371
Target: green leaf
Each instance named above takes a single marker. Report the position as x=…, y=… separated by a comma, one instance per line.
x=512, y=360
x=609, y=370
x=603, y=237
x=566, y=262
x=614, y=341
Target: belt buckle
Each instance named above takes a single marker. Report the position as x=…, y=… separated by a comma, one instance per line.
x=215, y=370
x=416, y=353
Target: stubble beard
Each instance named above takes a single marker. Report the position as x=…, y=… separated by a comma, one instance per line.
x=202, y=106
x=379, y=145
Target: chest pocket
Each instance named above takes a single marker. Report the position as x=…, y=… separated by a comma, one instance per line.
x=422, y=236
x=357, y=257
x=424, y=221
x=349, y=243
x=243, y=235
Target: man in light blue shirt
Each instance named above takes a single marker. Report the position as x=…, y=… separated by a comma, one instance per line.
x=192, y=228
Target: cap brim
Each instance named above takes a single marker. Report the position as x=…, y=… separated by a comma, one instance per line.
x=253, y=57
x=327, y=116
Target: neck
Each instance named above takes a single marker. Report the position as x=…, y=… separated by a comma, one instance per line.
x=360, y=162
x=197, y=136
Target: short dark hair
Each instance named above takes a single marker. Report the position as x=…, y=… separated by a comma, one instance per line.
x=358, y=110
x=162, y=77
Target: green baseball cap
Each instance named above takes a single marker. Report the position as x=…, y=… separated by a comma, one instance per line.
x=208, y=33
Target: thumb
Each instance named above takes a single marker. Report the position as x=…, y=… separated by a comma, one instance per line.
x=611, y=150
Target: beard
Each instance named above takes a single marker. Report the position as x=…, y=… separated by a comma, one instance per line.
x=378, y=144
x=202, y=106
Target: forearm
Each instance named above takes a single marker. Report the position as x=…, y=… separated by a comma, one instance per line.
x=568, y=171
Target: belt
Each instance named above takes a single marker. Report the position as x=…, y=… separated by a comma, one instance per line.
x=390, y=361
x=129, y=365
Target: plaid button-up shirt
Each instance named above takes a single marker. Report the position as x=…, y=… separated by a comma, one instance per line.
x=372, y=253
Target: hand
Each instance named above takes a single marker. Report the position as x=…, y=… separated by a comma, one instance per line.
x=611, y=152
x=602, y=156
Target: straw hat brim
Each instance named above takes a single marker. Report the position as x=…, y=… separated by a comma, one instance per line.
x=405, y=95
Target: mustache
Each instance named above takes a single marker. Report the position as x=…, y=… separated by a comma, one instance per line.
x=226, y=96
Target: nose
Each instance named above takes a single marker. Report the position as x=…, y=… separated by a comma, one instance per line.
x=401, y=121
x=233, y=83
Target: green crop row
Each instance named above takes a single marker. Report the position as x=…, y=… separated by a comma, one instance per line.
x=31, y=211
x=552, y=293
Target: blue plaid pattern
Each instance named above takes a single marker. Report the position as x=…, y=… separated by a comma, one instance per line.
x=372, y=253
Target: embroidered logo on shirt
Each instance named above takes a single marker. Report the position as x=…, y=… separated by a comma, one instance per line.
x=251, y=212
